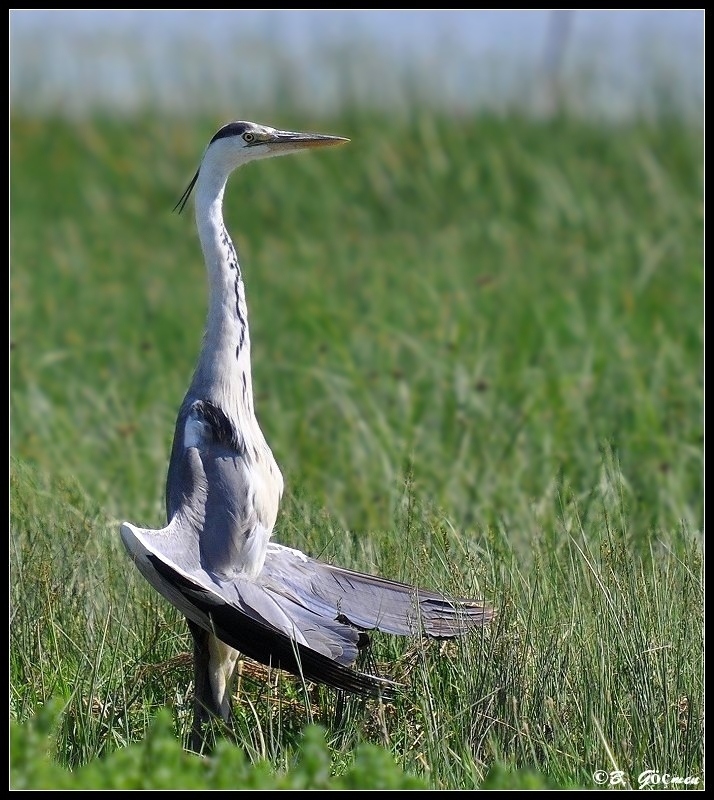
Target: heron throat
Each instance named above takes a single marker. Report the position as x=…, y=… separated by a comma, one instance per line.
x=224, y=368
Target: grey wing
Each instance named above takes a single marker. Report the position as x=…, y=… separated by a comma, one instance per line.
x=368, y=601
x=276, y=605
x=191, y=563
x=234, y=510
x=245, y=616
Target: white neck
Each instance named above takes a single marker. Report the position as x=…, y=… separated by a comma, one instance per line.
x=223, y=372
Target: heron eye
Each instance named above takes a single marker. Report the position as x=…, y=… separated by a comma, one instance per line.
x=249, y=137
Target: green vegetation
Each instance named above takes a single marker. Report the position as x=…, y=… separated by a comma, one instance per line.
x=478, y=358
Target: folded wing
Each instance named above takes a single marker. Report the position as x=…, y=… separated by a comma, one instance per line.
x=246, y=616
x=368, y=601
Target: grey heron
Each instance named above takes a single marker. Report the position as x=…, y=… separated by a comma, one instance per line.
x=239, y=591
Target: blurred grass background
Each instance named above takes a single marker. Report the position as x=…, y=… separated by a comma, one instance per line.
x=478, y=359
x=463, y=302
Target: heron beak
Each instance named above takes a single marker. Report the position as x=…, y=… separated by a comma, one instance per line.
x=286, y=141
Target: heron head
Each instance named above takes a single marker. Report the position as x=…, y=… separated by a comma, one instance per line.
x=240, y=142
x=245, y=141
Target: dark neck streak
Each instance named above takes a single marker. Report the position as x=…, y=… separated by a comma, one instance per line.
x=223, y=373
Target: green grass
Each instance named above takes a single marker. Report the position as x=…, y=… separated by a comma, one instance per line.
x=478, y=359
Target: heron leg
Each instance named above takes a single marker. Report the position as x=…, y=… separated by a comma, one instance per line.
x=213, y=666
x=204, y=704
x=222, y=664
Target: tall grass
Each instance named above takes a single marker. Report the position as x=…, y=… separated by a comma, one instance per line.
x=478, y=351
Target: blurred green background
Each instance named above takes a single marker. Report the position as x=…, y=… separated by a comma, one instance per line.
x=478, y=358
